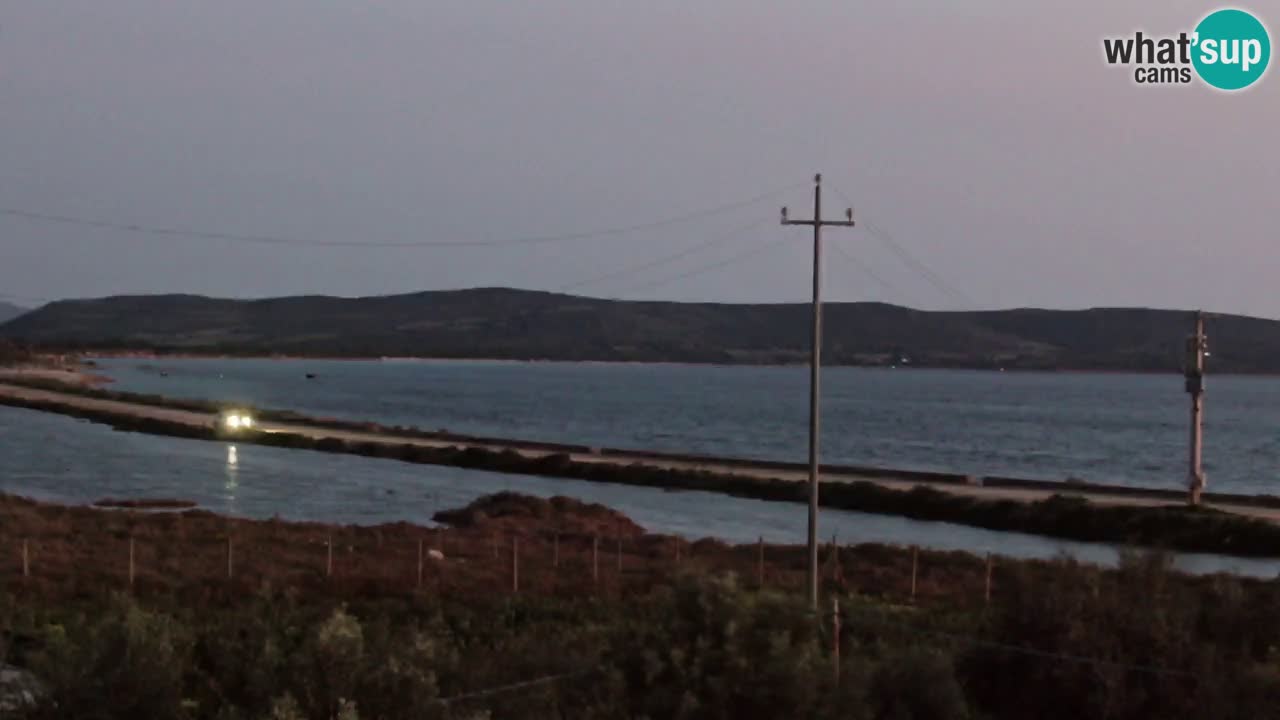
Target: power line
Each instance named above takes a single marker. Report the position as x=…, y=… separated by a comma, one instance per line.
x=918, y=265
x=714, y=241
x=703, y=269
x=867, y=271
x=1017, y=649
x=866, y=619
x=911, y=260
x=197, y=234
x=488, y=692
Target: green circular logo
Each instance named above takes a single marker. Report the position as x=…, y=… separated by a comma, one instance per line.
x=1232, y=49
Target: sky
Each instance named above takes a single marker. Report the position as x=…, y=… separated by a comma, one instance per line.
x=992, y=158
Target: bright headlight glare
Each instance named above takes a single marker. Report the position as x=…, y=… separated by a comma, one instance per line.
x=233, y=421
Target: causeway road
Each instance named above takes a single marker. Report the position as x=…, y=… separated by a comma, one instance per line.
x=1110, y=495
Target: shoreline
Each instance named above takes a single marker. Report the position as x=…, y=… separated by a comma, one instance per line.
x=407, y=359
x=441, y=360
x=1119, y=516
x=78, y=375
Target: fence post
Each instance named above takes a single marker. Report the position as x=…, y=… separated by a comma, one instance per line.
x=837, y=572
x=328, y=563
x=987, y=592
x=677, y=541
x=230, y=566
x=26, y=559
x=438, y=570
x=555, y=550
x=419, y=562
x=515, y=564
x=131, y=568
x=915, y=561
x=595, y=559
x=760, y=561
x=835, y=637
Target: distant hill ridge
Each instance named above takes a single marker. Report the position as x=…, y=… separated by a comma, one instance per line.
x=8, y=311
x=533, y=325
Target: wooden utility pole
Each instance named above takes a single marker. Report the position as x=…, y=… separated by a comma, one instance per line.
x=815, y=362
x=1197, y=349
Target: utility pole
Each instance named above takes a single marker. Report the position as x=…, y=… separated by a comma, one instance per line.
x=1196, y=351
x=815, y=362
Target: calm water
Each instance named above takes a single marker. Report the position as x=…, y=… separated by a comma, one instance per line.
x=1126, y=429
x=57, y=458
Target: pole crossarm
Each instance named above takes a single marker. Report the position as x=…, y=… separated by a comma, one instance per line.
x=824, y=223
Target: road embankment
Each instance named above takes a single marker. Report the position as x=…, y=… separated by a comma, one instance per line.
x=1236, y=525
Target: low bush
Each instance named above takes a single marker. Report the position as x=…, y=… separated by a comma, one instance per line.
x=1135, y=643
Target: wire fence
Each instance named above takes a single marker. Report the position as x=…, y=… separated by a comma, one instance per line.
x=198, y=552
x=176, y=553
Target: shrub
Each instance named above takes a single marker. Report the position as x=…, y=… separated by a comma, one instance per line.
x=916, y=684
x=327, y=666
x=717, y=652
x=1162, y=644
x=127, y=663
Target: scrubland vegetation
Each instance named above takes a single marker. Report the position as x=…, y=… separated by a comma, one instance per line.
x=650, y=637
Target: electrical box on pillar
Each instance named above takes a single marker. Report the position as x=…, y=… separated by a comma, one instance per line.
x=1197, y=349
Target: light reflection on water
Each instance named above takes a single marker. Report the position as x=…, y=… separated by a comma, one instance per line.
x=233, y=476
x=57, y=458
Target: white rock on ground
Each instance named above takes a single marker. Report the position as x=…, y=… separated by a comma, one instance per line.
x=18, y=689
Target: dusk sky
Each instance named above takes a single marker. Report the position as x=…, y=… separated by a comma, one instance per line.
x=988, y=137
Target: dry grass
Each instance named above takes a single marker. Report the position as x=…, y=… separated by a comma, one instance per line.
x=75, y=551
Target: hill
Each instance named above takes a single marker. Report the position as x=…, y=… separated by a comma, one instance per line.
x=9, y=312
x=520, y=324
